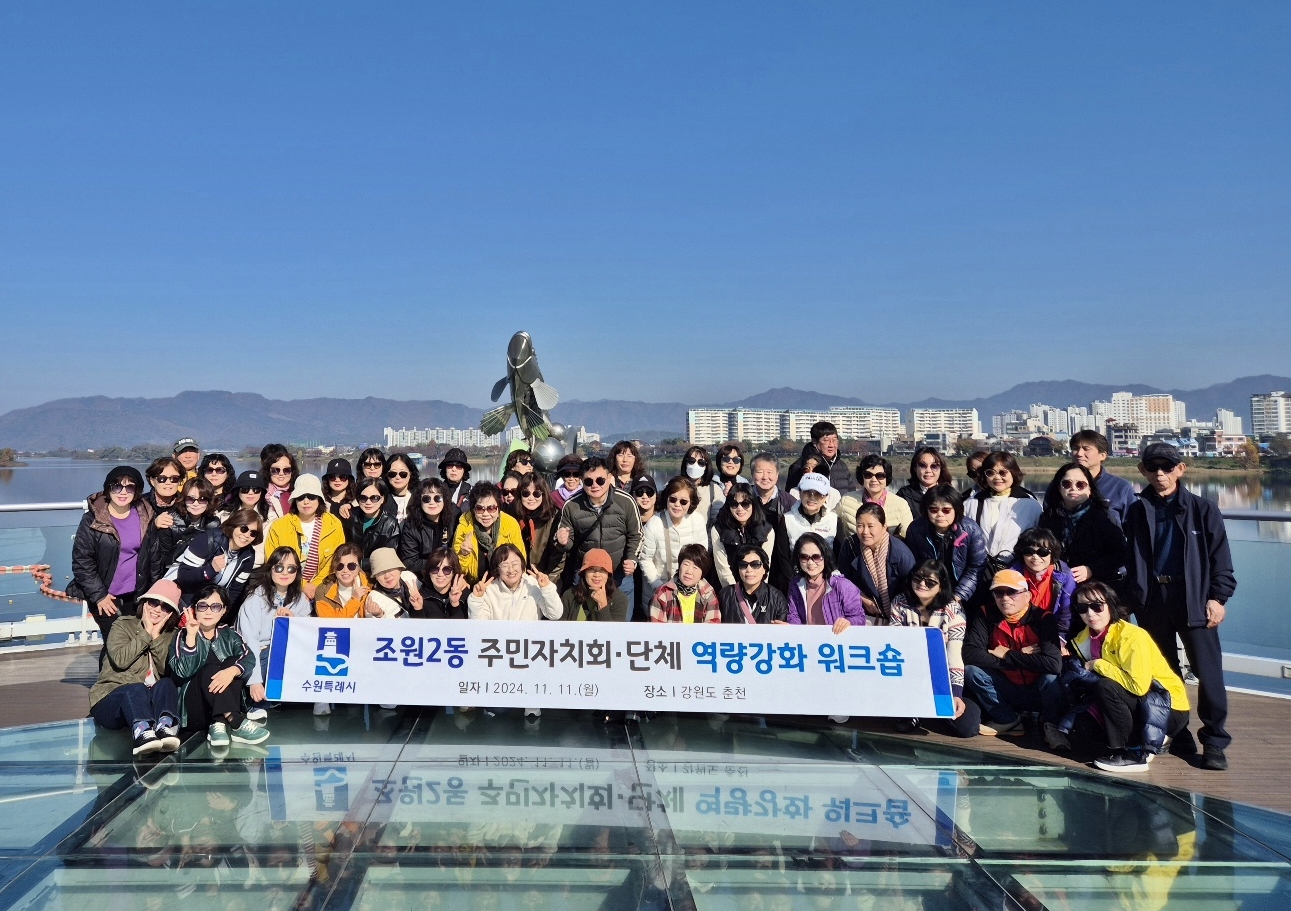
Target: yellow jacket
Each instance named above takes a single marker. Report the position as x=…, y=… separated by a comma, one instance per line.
x=1132, y=659
x=508, y=533
x=286, y=532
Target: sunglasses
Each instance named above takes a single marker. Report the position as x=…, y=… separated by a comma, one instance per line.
x=646, y=492
x=432, y=498
x=524, y=460
x=398, y=474
x=752, y=564
x=741, y=504
x=377, y=465
x=531, y=495
x=167, y=479
x=259, y=491
x=941, y=510
x=288, y=568
x=927, y=466
x=694, y=461
x=997, y=473
x=595, y=482
x=347, y=567
x=679, y=501
x=510, y=491
x=279, y=471
x=1035, y=552
x=880, y=475
x=445, y=570
x=1159, y=467
x=1075, y=485
x=732, y=459
x=812, y=558
x=1090, y=607
x=493, y=508
x=372, y=498
x=249, y=529
x=193, y=499
x=925, y=583
x=121, y=488
x=216, y=469
x=573, y=473
x=204, y=607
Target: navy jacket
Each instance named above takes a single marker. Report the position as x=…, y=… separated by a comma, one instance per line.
x=1119, y=494
x=964, y=557
x=1208, y=564
x=900, y=562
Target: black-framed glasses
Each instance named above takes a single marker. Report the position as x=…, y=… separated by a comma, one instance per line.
x=377, y=464
x=400, y=474
x=431, y=498
x=289, y=569
x=1035, y=552
x=202, y=607
x=751, y=564
x=595, y=482
x=259, y=491
x=925, y=582
x=876, y=475
x=346, y=567
x=167, y=479
x=370, y=498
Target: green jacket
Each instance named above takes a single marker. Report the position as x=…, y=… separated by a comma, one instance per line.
x=186, y=663
x=129, y=648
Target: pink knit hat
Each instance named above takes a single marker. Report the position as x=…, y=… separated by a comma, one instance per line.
x=166, y=592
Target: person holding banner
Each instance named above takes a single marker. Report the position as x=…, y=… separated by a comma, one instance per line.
x=273, y=592
x=752, y=599
x=208, y=659
x=595, y=596
x=482, y=530
x=927, y=600
x=821, y=594
x=686, y=597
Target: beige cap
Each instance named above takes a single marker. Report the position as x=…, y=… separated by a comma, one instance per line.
x=383, y=559
x=307, y=485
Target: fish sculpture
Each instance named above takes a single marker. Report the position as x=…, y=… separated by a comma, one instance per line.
x=531, y=398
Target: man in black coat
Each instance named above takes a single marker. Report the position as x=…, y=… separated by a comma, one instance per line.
x=824, y=445
x=1179, y=576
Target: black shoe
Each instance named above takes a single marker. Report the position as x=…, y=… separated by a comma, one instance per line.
x=1213, y=758
x=907, y=725
x=1183, y=745
x=146, y=742
x=1124, y=761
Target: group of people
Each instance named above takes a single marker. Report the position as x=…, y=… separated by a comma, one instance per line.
x=1032, y=594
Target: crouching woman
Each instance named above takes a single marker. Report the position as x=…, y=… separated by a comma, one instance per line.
x=1141, y=701
x=133, y=691
x=212, y=662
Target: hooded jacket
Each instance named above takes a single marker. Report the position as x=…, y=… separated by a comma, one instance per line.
x=962, y=550
x=1208, y=563
x=97, y=548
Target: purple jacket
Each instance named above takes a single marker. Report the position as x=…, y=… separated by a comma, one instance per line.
x=841, y=599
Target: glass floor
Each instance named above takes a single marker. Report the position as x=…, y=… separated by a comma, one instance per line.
x=423, y=809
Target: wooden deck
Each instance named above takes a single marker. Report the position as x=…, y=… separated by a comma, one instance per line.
x=48, y=686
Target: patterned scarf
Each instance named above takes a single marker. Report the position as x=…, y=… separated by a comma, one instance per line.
x=876, y=561
x=310, y=568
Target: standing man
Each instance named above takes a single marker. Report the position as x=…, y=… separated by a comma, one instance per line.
x=1089, y=449
x=188, y=454
x=824, y=443
x=1179, y=576
x=601, y=515
x=775, y=503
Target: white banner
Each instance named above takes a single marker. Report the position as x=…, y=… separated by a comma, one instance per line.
x=502, y=792
x=774, y=670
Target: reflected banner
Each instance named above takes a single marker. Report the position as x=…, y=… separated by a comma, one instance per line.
x=774, y=670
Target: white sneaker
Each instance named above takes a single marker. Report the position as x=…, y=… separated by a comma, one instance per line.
x=259, y=716
x=839, y=719
x=322, y=708
x=533, y=713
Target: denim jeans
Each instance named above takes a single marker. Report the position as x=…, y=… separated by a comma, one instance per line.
x=1001, y=699
x=134, y=702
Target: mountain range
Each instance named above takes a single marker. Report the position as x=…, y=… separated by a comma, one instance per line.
x=234, y=419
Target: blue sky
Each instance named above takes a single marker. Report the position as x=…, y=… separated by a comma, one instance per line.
x=679, y=201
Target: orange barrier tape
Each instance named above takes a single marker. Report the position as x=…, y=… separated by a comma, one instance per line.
x=40, y=572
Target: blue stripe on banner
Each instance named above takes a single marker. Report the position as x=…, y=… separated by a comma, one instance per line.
x=942, y=698
x=273, y=776
x=947, y=792
x=277, y=658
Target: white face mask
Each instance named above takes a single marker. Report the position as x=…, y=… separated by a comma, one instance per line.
x=694, y=472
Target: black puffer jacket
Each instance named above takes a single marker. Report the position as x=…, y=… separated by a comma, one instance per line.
x=418, y=539
x=1095, y=541
x=195, y=567
x=840, y=476
x=182, y=534
x=435, y=606
x=97, y=548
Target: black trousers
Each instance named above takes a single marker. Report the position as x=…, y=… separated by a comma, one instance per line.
x=1123, y=715
x=1165, y=615
x=202, y=707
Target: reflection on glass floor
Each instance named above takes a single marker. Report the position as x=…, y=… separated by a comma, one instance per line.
x=421, y=809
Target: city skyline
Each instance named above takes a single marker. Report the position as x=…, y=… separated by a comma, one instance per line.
x=838, y=185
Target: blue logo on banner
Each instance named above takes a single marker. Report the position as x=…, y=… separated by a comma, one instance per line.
x=331, y=788
x=333, y=656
